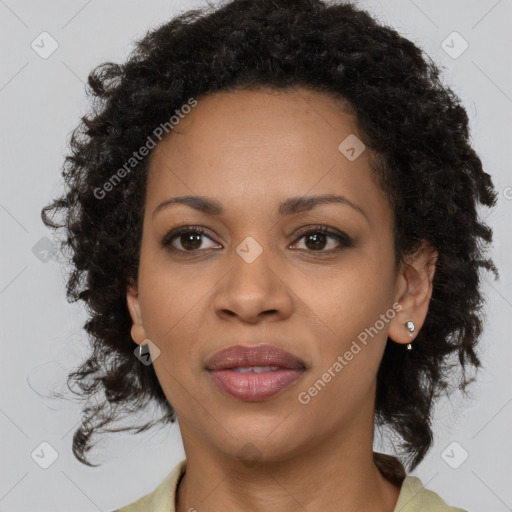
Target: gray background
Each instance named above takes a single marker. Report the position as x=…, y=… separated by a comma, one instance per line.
x=41, y=100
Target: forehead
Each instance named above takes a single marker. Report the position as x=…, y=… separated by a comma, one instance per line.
x=255, y=146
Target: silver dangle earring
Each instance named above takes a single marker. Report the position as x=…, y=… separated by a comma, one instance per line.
x=409, y=325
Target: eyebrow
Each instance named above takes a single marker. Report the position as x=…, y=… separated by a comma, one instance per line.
x=289, y=206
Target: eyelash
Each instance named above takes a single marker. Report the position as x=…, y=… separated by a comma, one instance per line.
x=343, y=239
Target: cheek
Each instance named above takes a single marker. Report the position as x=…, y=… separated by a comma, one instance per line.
x=351, y=340
x=173, y=304
x=355, y=309
x=170, y=291
x=353, y=297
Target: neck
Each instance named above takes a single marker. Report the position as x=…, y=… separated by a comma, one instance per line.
x=332, y=476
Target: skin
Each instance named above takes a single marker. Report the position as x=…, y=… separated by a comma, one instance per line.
x=250, y=150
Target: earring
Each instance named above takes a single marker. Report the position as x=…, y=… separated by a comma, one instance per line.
x=409, y=325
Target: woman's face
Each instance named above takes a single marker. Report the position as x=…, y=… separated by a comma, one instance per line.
x=252, y=278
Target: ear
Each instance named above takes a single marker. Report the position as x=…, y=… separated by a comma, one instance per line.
x=132, y=300
x=413, y=292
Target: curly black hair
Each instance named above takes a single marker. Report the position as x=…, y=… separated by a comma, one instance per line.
x=414, y=125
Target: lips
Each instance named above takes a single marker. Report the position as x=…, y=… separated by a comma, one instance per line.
x=254, y=373
x=260, y=355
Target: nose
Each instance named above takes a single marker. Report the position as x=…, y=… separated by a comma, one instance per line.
x=253, y=291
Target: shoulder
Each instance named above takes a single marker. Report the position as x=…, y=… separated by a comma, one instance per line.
x=414, y=497
x=162, y=499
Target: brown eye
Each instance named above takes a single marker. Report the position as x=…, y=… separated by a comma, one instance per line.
x=191, y=241
x=189, y=237
x=317, y=239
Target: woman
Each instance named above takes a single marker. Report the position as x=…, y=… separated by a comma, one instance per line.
x=276, y=202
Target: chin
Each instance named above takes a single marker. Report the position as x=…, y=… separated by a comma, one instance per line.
x=260, y=441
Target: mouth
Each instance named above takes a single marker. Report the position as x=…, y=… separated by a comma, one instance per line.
x=254, y=373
